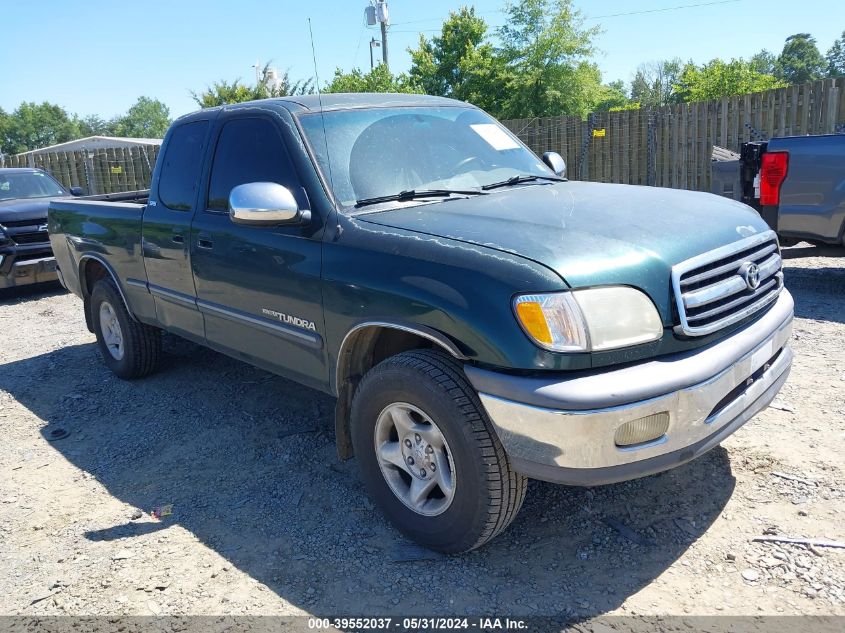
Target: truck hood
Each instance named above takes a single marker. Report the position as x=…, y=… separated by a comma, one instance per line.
x=589, y=233
x=24, y=209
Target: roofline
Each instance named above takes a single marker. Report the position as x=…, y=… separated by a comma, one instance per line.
x=371, y=102
x=386, y=106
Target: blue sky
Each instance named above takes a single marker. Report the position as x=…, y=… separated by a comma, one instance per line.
x=98, y=56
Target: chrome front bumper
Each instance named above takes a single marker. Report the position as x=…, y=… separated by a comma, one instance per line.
x=23, y=272
x=563, y=430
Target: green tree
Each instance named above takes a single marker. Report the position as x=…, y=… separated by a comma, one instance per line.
x=34, y=125
x=800, y=61
x=614, y=98
x=283, y=86
x=461, y=63
x=836, y=57
x=631, y=105
x=93, y=125
x=224, y=92
x=549, y=54
x=765, y=63
x=654, y=82
x=147, y=118
x=4, y=123
x=379, y=79
x=719, y=78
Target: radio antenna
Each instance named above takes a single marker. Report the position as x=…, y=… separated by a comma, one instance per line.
x=320, y=101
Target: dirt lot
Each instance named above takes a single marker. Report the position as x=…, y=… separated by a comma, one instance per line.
x=266, y=521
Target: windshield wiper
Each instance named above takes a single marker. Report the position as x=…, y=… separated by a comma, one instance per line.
x=412, y=194
x=516, y=180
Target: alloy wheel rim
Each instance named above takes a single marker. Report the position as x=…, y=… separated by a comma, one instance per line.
x=415, y=459
x=110, y=328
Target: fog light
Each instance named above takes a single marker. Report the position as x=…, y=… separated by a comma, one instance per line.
x=642, y=430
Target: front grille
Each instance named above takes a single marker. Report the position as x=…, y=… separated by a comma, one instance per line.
x=728, y=284
x=27, y=231
x=34, y=237
x=16, y=223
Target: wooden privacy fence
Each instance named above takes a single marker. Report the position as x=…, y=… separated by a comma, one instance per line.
x=96, y=171
x=671, y=146
x=666, y=147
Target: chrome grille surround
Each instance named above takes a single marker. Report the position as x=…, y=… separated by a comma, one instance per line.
x=712, y=290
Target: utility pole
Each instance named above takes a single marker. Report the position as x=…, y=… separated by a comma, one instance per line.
x=384, y=38
x=377, y=14
x=374, y=43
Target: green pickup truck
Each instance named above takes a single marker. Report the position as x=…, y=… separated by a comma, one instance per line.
x=479, y=318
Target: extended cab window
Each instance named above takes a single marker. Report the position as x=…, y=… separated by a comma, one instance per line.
x=180, y=171
x=249, y=150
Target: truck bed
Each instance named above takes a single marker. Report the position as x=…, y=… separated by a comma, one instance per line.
x=106, y=227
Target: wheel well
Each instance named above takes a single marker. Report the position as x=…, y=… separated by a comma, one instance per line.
x=361, y=351
x=91, y=272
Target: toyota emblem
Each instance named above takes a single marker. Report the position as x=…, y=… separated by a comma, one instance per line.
x=750, y=272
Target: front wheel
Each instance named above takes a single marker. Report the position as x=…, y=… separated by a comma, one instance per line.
x=129, y=348
x=428, y=455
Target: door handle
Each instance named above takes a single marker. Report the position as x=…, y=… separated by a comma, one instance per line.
x=177, y=238
x=204, y=241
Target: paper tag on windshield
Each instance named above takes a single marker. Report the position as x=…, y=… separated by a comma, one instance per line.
x=495, y=136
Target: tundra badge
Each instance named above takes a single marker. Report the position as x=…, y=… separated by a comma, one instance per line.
x=295, y=321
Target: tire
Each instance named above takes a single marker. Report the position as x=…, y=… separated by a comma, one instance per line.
x=432, y=390
x=139, y=348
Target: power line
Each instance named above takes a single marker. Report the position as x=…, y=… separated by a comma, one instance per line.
x=664, y=9
x=358, y=45
x=589, y=17
x=436, y=19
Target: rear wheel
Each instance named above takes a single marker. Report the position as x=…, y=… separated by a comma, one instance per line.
x=428, y=455
x=129, y=348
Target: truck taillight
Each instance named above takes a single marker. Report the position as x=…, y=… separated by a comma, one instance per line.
x=772, y=174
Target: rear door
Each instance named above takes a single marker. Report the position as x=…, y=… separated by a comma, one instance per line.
x=258, y=287
x=167, y=226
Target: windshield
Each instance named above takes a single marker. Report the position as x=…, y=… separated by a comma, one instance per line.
x=383, y=151
x=34, y=184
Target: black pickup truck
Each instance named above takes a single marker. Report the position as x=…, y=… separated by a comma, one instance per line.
x=25, y=253
x=479, y=318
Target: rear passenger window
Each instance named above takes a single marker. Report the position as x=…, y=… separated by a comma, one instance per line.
x=249, y=150
x=180, y=171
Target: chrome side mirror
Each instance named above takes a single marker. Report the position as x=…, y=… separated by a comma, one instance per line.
x=265, y=204
x=555, y=162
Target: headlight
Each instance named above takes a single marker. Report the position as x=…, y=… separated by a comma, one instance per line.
x=589, y=320
x=4, y=239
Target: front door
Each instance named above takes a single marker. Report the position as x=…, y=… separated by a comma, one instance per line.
x=167, y=228
x=258, y=287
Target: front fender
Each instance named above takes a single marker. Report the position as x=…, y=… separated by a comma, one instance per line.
x=456, y=292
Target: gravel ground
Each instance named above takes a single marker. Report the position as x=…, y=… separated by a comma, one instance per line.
x=266, y=521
